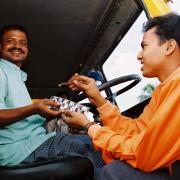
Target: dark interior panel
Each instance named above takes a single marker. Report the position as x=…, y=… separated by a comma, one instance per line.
x=66, y=36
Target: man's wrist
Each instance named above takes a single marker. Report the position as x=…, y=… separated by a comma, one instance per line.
x=34, y=108
x=99, y=100
x=88, y=125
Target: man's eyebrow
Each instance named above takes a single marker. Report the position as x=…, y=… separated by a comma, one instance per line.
x=24, y=40
x=8, y=38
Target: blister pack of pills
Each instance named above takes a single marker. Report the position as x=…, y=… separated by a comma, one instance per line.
x=68, y=104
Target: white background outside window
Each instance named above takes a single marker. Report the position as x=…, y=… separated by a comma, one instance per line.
x=123, y=61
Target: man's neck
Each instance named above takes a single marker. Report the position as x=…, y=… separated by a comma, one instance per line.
x=167, y=72
x=19, y=64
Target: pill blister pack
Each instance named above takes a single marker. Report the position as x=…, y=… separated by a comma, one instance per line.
x=68, y=104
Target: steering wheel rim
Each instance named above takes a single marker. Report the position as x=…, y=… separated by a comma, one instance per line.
x=135, y=77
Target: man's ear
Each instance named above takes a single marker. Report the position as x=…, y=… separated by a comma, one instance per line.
x=170, y=46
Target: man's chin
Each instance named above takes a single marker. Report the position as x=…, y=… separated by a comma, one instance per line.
x=148, y=75
x=145, y=74
x=17, y=61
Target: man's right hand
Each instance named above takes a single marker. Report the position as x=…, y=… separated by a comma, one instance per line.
x=42, y=107
x=89, y=87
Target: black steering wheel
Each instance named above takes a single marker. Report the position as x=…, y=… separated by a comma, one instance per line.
x=135, y=77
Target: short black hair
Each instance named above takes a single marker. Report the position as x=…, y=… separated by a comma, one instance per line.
x=13, y=27
x=167, y=27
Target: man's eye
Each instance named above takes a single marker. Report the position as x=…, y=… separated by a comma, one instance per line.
x=143, y=46
x=9, y=41
x=24, y=43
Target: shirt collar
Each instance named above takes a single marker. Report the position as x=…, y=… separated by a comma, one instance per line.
x=23, y=75
x=177, y=71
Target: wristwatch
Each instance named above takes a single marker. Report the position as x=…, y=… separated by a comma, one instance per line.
x=87, y=126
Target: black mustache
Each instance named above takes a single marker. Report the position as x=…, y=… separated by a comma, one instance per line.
x=16, y=49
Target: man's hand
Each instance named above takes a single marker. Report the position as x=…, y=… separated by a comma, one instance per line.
x=89, y=87
x=74, y=119
x=42, y=107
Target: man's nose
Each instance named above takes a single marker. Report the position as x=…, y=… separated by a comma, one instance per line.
x=16, y=44
x=139, y=56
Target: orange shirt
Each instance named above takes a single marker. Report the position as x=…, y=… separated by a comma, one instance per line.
x=149, y=142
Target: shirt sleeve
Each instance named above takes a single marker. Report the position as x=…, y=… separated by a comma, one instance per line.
x=148, y=144
x=3, y=88
x=111, y=117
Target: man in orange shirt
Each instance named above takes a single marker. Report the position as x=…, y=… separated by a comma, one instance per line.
x=150, y=142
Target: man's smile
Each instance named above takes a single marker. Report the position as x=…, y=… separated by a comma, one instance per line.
x=16, y=51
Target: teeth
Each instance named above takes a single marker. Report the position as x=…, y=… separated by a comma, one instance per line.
x=15, y=51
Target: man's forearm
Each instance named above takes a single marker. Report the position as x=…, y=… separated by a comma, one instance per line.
x=8, y=116
x=98, y=100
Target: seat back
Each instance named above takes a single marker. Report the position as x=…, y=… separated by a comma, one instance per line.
x=66, y=168
x=176, y=171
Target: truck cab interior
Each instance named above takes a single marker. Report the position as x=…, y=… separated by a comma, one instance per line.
x=68, y=37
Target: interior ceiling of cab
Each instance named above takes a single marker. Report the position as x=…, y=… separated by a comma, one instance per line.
x=67, y=36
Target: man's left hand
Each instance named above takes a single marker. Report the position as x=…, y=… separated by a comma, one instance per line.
x=74, y=119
